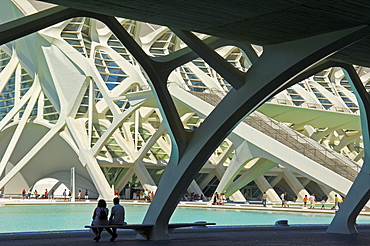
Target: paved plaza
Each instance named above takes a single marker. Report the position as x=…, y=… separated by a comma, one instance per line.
x=214, y=235
x=221, y=236
x=224, y=100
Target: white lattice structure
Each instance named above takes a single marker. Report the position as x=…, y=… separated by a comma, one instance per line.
x=72, y=95
x=92, y=95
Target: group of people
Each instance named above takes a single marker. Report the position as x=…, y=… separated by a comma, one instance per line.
x=148, y=195
x=337, y=202
x=79, y=195
x=312, y=200
x=307, y=199
x=100, y=218
x=145, y=195
x=192, y=197
x=218, y=199
x=284, y=200
x=50, y=194
x=37, y=195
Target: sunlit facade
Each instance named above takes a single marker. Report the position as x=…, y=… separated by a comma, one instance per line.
x=72, y=95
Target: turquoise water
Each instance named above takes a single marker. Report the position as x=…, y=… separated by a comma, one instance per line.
x=25, y=218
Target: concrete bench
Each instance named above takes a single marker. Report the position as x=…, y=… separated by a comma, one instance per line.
x=144, y=229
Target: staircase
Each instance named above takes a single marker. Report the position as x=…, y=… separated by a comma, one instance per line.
x=294, y=140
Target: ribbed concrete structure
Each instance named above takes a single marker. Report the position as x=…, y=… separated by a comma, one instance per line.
x=133, y=105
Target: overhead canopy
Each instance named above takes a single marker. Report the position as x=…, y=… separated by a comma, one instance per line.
x=254, y=21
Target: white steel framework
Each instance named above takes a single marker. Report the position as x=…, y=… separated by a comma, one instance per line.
x=140, y=106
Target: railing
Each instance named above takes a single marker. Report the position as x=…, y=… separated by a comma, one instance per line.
x=304, y=145
x=311, y=105
x=296, y=141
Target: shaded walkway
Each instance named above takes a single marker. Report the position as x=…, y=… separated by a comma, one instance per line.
x=217, y=236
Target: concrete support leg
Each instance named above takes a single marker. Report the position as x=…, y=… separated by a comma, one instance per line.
x=242, y=156
x=237, y=197
x=190, y=150
x=258, y=169
x=277, y=179
x=207, y=180
x=220, y=171
x=345, y=220
x=124, y=180
x=264, y=186
x=329, y=193
x=194, y=187
x=105, y=191
x=143, y=175
x=359, y=194
x=295, y=185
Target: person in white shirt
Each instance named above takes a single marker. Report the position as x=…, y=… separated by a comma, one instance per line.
x=323, y=203
x=264, y=198
x=117, y=217
x=283, y=199
x=312, y=199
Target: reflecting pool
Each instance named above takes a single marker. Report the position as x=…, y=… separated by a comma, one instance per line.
x=25, y=218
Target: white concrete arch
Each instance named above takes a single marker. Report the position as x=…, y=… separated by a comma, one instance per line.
x=48, y=161
x=64, y=72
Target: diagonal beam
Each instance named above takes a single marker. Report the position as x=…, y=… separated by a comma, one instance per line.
x=124, y=180
x=20, y=127
x=258, y=169
x=23, y=26
x=316, y=68
x=185, y=55
x=158, y=82
x=32, y=152
x=110, y=130
x=9, y=116
x=225, y=69
x=152, y=140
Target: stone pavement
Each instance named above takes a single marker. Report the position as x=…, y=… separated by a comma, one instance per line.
x=229, y=236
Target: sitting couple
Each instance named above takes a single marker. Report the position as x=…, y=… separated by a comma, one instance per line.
x=100, y=217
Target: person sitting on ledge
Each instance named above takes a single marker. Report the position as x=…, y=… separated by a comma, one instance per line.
x=117, y=217
x=100, y=217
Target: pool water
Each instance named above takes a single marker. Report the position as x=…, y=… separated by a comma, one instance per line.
x=26, y=218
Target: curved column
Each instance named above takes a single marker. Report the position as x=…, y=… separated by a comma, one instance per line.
x=283, y=61
x=345, y=220
x=158, y=81
x=191, y=150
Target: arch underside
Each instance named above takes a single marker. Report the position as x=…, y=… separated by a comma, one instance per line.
x=120, y=109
